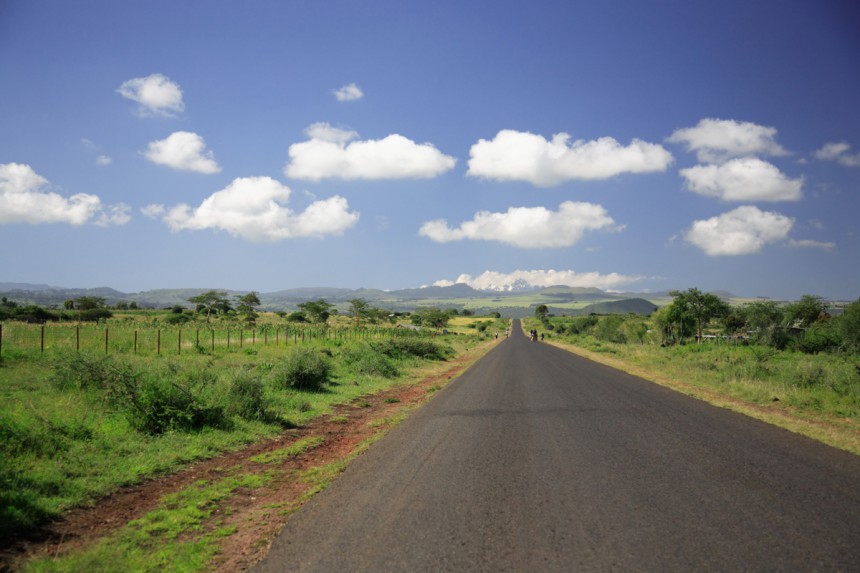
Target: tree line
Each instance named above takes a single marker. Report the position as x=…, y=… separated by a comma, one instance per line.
x=693, y=315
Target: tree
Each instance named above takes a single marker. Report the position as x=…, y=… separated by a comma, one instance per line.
x=849, y=326
x=92, y=308
x=805, y=312
x=247, y=306
x=762, y=318
x=357, y=308
x=317, y=311
x=700, y=306
x=89, y=302
x=432, y=317
x=541, y=312
x=213, y=300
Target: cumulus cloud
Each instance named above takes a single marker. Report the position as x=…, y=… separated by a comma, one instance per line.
x=183, y=150
x=717, y=140
x=23, y=199
x=350, y=92
x=156, y=94
x=103, y=160
x=332, y=153
x=838, y=152
x=526, y=227
x=492, y=280
x=522, y=156
x=746, y=179
x=253, y=208
x=742, y=231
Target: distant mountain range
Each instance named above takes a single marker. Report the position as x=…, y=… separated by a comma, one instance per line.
x=517, y=301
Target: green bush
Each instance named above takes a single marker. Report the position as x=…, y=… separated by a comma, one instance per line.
x=156, y=405
x=364, y=359
x=82, y=372
x=247, y=398
x=399, y=348
x=303, y=369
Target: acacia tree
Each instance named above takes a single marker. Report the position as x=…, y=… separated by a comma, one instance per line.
x=435, y=318
x=317, y=311
x=700, y=306
x=358, y=307
x=213, y=300
x=247, y=306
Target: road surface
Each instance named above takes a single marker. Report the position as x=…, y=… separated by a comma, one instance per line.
x=539, y=460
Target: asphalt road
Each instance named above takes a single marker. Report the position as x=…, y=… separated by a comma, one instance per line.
x=539, y=460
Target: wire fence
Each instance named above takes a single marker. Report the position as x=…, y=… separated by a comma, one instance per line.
x=34, y=338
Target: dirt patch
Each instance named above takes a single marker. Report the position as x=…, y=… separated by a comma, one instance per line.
x=257, y=515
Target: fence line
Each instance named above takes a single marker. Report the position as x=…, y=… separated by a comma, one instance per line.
x=117, y=339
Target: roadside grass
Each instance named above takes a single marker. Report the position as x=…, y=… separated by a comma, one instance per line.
x=815, y=395
x=65, y=443
x=291, y=451
x=171, y=537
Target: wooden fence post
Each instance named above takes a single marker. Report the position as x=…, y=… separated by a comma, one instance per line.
x=78, y=338
x=135, y=342
x=42, y=344
x=159, y=342
x=179, y=344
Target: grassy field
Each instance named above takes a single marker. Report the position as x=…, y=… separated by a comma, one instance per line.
x=814, y=394
x=75, y=426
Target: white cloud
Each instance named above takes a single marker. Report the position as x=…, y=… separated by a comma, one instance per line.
x=810, y=244
x=24, y=200
x=183, y=150
x=253, y=208
x=746, y=179
x=492, y=280
x=526, y=227
x=156, y=94
x=717, y=140
x=350, y=92
x=154, y=211
x=742, y=231
x=522, y=156
x=111, y=215
x=838, y=152
x=103, y=160
x=331, y=153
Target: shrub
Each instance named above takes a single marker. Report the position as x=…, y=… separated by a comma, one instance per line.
x=399, y=348
x=303, y=369
x=820, y=337
x=246, y=397
x=83, y=372
x=155, y=406
x=364, y=359
x=177, y=319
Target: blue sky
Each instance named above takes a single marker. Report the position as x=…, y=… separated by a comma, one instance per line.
x=637, y=146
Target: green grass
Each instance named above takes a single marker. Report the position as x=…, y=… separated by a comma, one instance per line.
x=63, y=446
x=818, y=395
x=180, y=535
